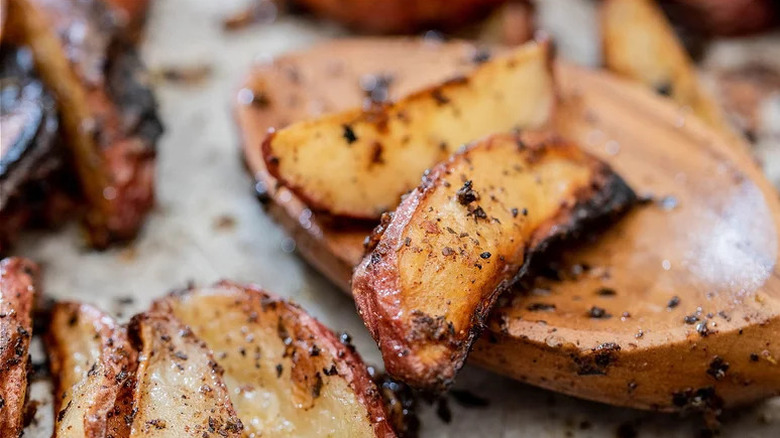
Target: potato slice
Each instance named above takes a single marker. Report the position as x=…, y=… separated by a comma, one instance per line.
x=17, y=293
x=179, y=390
x=287, y=374
x=640, y=44
x=93, y=366
x=460, y=239
x=358, y=163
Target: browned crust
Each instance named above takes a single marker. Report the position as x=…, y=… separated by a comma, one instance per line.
x=111, y=408
x=108, y=113
x=376, y=282
x=305, y=329
x=17, y=296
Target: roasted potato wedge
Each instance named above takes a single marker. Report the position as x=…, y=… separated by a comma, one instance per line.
x=460, y=239
x=93, y=366
x=17, y=297
x=398, y=16
x=287, y=374
x=179, y=388
x=358, y=163
x=639, y=43
x=108, y=111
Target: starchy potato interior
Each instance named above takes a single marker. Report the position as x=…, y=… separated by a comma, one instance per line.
x=358, y=163
x=93, y=366
x=179, y=390
x=283, y=379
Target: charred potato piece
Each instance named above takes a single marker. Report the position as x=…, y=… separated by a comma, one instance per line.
x=17, y=296
x=179, y=388
x=287, y=374
x=640, y=44
x=108, y=112
x=399, y=16
x=34, y=186
x=93, y=366
x=358, y=163
x=460, y=239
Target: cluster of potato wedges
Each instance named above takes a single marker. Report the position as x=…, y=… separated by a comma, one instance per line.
x=562, y=226
x=226, y=360
x=76, y=63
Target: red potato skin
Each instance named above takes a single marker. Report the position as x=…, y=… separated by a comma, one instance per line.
x=17, y=298
x=376, y=284
x=400, y=16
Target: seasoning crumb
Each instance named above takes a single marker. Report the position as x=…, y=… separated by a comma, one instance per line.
x=185, y=75
x=598, y=313
x=690, y=319
x=224, y=222
x=485, y=255
x=673, y=302
x=349, y=134
x=606, y=292
x=467, y=194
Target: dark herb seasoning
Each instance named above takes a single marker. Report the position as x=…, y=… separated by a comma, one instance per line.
x=606, y=292
x=467, y=194
x=598, y=313
x=673, y=302
x=690, y=319
x=718, y=368
x=349, y=134
x=485, y=255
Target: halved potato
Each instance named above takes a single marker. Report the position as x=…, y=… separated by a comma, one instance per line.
x=651, y=255
x=287, y=374
x=179, y=388
x=640, y=44
x=17, y=296
x=358, y=163
x=461, y=238
x=93, y=366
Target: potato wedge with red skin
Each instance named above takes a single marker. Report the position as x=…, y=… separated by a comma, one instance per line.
x=179, y=388
x=108, y=111
x=17, y=297
x=639, y=43
x=93, y=366
x=358, y=163
x=312, y=384
x=461, y=238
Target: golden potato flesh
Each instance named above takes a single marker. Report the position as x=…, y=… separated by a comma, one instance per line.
x=358, y=163
x=179, y=388
x=286, y=373
x=93, y=367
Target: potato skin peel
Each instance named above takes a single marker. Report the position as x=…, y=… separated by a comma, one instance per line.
x=431, y=361
x=17, y=297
